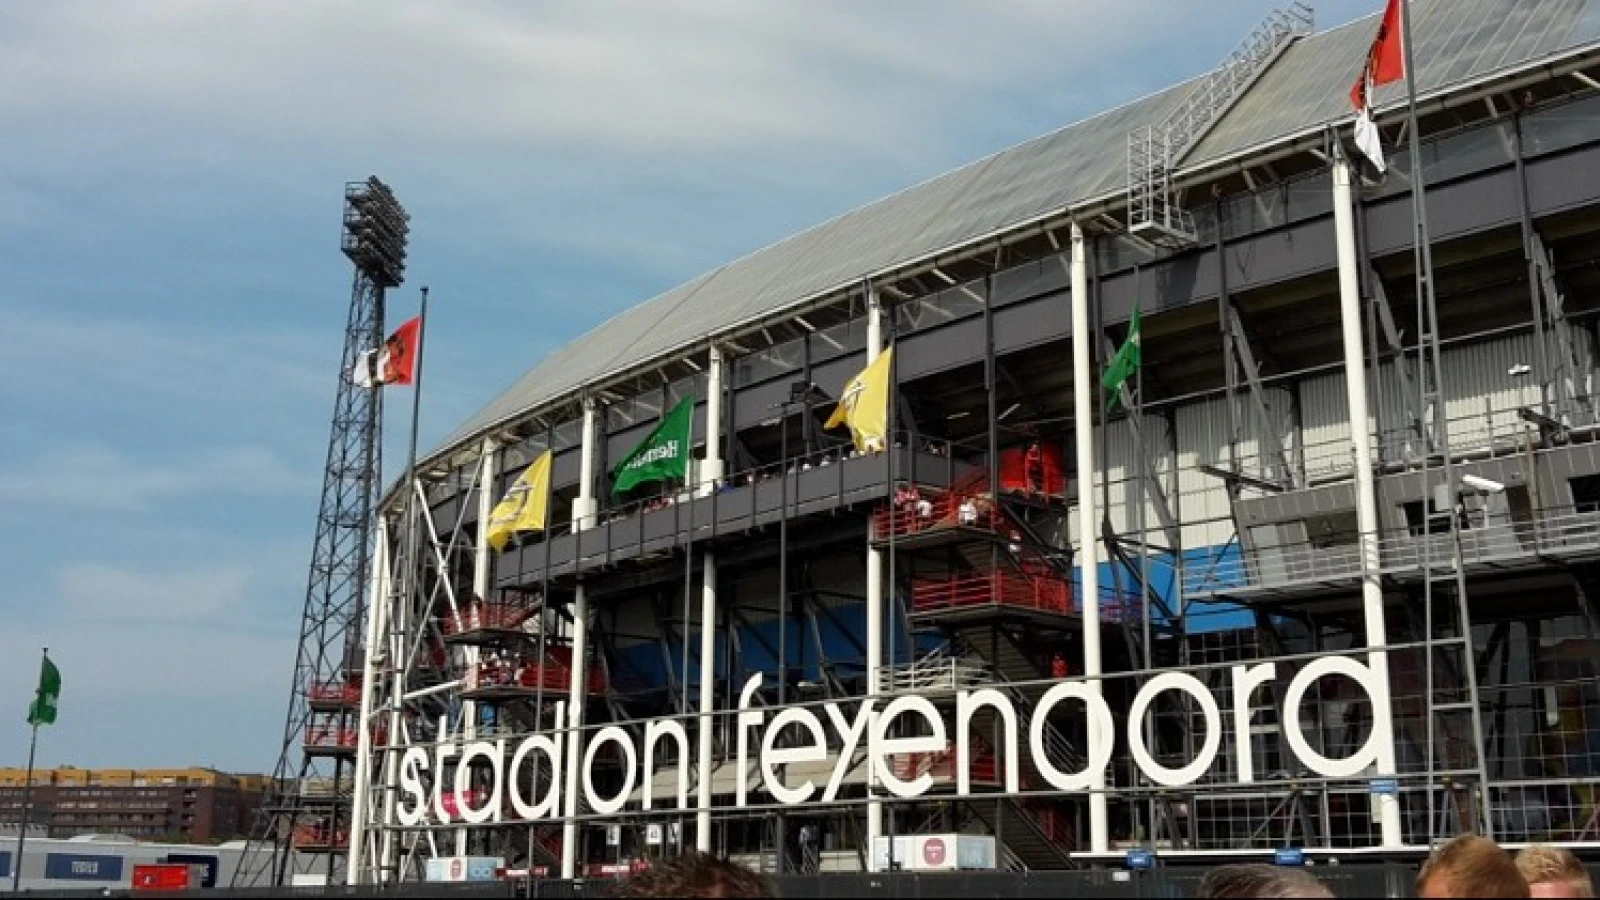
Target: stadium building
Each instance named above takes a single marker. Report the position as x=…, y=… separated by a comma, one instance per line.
x=1185, y=515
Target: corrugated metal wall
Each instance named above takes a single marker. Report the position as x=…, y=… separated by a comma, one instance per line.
x=1481, y=402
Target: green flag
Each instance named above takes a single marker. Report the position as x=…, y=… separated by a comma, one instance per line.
x=662, y=455
x=42, y=711
x=1126, y=362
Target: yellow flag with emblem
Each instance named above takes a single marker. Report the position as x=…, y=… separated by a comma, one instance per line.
x=864, y=404
x=525, y=506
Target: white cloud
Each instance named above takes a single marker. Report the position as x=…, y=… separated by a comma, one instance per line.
x=97, y=478
x=95, y=592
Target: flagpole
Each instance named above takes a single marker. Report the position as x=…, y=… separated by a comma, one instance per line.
x=409, y=568
x=27, y=784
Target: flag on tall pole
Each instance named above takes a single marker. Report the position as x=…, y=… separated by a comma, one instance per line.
x=662, y=455
x=393, y=363
x=42, y=711
x=1385, y=64
x=864, y=404
x=1130, y=356
x=525, y=507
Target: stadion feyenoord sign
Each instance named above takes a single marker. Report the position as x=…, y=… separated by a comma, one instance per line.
x=756, y=734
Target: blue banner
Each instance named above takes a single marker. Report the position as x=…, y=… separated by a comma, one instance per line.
x=5, y=863
x=198, y=859
x=82, y=867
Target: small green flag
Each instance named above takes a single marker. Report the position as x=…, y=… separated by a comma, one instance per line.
x=662, y=455
x=1126, y=362
x=42, y=711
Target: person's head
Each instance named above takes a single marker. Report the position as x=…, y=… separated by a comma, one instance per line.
x=1470, y=866
x=1553, y=872
x=1259, y=880
x=696, y=875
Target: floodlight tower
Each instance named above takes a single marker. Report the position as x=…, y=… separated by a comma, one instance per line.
x=307, y=814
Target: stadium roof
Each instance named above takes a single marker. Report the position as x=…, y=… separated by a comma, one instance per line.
x=1457, y=42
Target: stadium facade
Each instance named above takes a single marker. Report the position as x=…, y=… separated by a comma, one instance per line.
x=1209, y=612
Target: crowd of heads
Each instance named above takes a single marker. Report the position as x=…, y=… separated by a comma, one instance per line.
x=1468, y=866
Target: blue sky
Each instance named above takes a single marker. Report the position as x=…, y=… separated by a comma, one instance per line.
x=172, y=294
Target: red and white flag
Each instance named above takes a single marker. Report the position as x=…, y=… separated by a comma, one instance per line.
x=1386, y=63
x=395, y=362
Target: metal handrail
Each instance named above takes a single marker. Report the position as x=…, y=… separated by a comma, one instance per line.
x=1396, y=553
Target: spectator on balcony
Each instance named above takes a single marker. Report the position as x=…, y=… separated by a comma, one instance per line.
x=1058, y=666
x=1033, y=464
x=967, y=513
x=924, y=508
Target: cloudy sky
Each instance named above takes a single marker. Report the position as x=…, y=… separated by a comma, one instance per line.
x=172, y=293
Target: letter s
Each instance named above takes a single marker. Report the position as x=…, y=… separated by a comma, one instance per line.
x=414, y=802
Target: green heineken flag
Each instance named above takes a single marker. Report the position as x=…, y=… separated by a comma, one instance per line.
x=42, y=711
x=1126, y=362
x=662, y=455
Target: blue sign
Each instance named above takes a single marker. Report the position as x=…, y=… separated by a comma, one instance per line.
x=1289, y=856
x=82, y=867
x=1141, y=859
x=209, y=880
x=1383, y=786
x=5, y=863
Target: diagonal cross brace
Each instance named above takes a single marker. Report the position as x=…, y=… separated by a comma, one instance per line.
x=1271, y=448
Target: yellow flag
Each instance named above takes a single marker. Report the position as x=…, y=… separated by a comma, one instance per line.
x=525, y=506
x=864, y=404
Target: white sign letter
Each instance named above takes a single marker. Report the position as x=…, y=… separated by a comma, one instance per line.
x=496, y=755
x=1245, y=682
x=1100, y=728
x=630, y=769
x=967, y=703
x=534, y=808
x=1316, y=762
x=747, y=721
x=883, y=746
x=653, y=731
x=1194, y=687
x=772, y=757
x=412, y=765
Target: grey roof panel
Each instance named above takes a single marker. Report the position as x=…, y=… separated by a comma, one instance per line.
x=1308, y=87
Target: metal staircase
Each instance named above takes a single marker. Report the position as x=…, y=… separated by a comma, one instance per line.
x=1155, y=151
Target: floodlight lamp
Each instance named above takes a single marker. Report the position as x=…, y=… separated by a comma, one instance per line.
x=1482, y=484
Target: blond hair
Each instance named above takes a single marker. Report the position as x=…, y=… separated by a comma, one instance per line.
x=1539, y=864
x=1471, y=866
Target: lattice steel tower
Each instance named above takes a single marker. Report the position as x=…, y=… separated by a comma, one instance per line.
x=307, y=815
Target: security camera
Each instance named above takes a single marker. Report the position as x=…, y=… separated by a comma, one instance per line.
x=1482, y=484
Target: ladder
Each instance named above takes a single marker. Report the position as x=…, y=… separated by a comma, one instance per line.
x=1447, y=626
x=1155, y=151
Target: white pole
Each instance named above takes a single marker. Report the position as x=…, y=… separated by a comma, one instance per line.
x=874, y=599
x=708, y=649
x=1084, y=385
x=708, y=606
x=360, y=802
x=711, y=473
x=395, y=635
x=480, y=596
x=582, y=513
x=1355, y=374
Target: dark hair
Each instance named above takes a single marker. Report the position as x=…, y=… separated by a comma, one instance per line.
x=1472, y=866
x=695, y=874
x=1259, y=880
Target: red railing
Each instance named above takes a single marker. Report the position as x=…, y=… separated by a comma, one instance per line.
x=320, y=836
x=941, y=765
x=920, y=510
x=348, y=693
x=555, y=676
x=1052, y=821
x=1000, y=587
x=329, y=736
x=487, y=615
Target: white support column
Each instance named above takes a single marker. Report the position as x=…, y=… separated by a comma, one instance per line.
x=1355, y=374
x=874, y=597
x=712, y=468
x=583, y=510
x=708, y=650
x=711, y=476
x=1084, y=385
x=481, y=560
x=361, y=802
x=397, y=634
